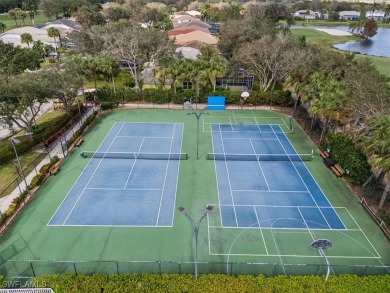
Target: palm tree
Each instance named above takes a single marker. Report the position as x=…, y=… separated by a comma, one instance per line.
x=196, y=72
x=12, y=14
x=2, y=27
x=207, y=52
x=109, y=66
x=26, y=38
x=53, y=33
x=329, y=99
x=160, y=71
x=217, y=68
x=379, y=147
x=174, y=71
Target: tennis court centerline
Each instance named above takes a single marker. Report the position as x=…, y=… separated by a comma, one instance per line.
x=133, y=191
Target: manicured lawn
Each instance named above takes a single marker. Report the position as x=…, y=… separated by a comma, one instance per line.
x=10, y=23
x=332, y=23
x=319, y=37
x=381, y=63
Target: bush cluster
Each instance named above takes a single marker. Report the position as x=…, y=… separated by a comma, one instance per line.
x=212, y=283
x=110, y=99
x=48, y=131
x=36, y=181
x=343, y=152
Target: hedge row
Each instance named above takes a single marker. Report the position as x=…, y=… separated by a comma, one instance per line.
x=110, y=99
x=343, y=151
x=36, y=181
x=212, y=283
x=47, y=131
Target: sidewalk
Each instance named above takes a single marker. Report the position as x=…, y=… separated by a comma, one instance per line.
x=6, y=201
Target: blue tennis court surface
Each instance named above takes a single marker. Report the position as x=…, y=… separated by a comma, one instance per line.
x=126, y=192
x=275, y=190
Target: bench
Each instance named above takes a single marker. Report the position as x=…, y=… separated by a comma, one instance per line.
x=324, y=154
x=78, y=141
x=339, y=169
x=53, y=169
x=334, y=169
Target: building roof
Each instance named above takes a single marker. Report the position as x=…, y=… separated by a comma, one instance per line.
x=194, y=44
x=188, y=52
x=65, y=25
x=13, y=36
x=189, y=27
x=180, y=32
x=194, y=22
x=195, y=36
x=194, y=13
x=345, y=13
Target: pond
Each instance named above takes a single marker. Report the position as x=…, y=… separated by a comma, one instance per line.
x=378, y=45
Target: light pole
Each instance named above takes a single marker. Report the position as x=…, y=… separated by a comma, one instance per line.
x=197, y=115
x=15, y=141
x=322, y=244
x=206, y=211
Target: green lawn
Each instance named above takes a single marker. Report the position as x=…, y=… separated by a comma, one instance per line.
x=318, y=37
x=8, y=171
x=10, y=23
x=322, y=22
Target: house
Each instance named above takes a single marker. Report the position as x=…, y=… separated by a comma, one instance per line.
x=349, y=15
x=187, y=29
x=181, y=19
x=64, y=26
x=378, y=15
x=196, y=22
x=194, y=13
x=14, y=36
x=188, y=52
x=202, y=37
x=306, y=14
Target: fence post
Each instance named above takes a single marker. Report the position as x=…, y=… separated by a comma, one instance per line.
x=274, y=270
x=159, y=267
x=231, y=268
x=179, y=267
x=117, y=267
x=32, y=268
x=74, y=267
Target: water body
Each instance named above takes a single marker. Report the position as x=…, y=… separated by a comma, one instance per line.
x=378, y=45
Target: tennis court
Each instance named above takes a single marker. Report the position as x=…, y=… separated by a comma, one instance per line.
x=270, y=203
x=130, y=180
x=263, y=181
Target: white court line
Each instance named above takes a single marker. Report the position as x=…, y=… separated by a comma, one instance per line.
x=165, y=178
x=299, y=174
x=228, y=177
x=252, y=138
x=139, y=189
x=261, y=169
x=77, y=180
x=101, y=160
x=134, y=162
x=261, y=231
x=131, y=136
x=275, y=191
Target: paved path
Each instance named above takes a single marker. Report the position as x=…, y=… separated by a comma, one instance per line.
x=56, y=150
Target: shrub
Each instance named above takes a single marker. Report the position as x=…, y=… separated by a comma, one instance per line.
x=343, y=151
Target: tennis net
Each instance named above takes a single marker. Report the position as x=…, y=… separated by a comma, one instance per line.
x=134, y=156
x=259, y=157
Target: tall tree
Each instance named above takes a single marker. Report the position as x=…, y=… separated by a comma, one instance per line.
x=109, y=66
x=196, y=72
x=379, y=148
x=54, y=33
x=26, y=38
x=21, y=98
x=328, y=98
x=88, y=65
x=135, y=46
x=217, y=68
x=175, y=71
